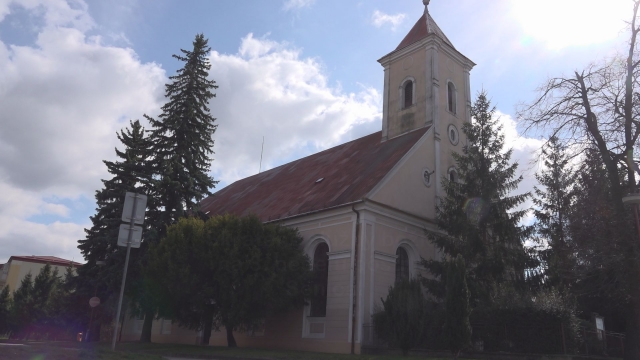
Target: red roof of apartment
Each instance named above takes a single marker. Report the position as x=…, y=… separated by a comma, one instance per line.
x=423, y=28
x=51, y=260
x=337, y=176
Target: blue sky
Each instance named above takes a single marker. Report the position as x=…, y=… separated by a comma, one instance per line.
x=302, y=73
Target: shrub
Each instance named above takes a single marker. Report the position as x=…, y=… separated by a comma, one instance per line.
x=402, y=320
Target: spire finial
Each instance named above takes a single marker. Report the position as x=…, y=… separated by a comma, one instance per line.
x=426, y=5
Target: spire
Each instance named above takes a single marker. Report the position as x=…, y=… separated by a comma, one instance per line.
x=423, y=28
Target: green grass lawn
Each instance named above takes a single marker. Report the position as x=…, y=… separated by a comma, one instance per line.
x=102, y=351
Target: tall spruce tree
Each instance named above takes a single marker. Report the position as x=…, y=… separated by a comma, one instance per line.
x=457, y=328
x=131, y=172
x=5, y=304
x=479, y=216
x=553, y=206
x=182, y=137
x=181, y=146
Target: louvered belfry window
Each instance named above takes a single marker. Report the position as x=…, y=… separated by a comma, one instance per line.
x=408, y=94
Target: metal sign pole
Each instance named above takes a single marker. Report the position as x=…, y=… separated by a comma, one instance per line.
x=124, y=274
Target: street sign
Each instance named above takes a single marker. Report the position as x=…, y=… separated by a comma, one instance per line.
x=136, y=236
x=94, y=301
x=141, y=207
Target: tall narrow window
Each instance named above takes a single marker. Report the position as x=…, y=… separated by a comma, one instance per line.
x=402, y=265
x=451, y=97
x=408, y=94
x=320, y=277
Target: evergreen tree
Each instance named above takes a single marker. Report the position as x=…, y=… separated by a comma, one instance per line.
x=43, y=285
x=457, y=327
x=402, y=321
x=182, y=146
x=131, y=172
x=479, y=216
x=182, y=137
x=5, y=304
x=21, y=313
x=553, y=204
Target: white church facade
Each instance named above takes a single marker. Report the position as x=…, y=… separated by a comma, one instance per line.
x=362, y=207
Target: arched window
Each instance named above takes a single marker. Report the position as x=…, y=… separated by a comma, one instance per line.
x=402, y=265
x=453, y=175
x=408, y=94
x=451, y=97
x=320, y=277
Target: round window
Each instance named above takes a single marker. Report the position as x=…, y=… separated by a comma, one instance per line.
x=453, y=134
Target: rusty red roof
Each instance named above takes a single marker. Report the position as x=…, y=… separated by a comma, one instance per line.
x=423, y=28
x=337, y=176
x=51, y=260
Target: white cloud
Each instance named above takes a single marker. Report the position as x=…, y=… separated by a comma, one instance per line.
x=268, y=89
x=525, y=153
x=297, y=4
x=380, y=19
x=62, y=100
x=560, y=24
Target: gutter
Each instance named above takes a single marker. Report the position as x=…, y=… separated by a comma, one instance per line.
x=355, y=281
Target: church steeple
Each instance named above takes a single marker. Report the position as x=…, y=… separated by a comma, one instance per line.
x=414, y=71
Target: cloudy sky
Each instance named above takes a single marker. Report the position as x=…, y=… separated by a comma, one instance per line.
x=301, y=73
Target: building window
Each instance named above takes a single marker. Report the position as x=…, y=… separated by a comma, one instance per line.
x=451, y=97
x=453, y=175
x=402, y=265
x=408, y=94
x=320, y=278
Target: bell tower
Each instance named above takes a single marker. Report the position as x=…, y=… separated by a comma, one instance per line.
x=426, y=82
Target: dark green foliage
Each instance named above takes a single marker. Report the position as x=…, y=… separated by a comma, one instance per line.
x=553, y=206
x=182, y=137
x=234, y=270
x=181, y=148
x=479, y=217
x=402, y=321
x=603, y=246
x=130, y=173
x=5, y=305
x=457, y=328
x=22, y=305
x=526, y=324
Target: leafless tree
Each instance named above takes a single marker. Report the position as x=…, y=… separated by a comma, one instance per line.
x=599, y=107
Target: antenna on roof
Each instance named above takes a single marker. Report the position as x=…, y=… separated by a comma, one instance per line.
x=261, y=151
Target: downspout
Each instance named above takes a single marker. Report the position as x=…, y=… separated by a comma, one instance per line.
x=355, y=281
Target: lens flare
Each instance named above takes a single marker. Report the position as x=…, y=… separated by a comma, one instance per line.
x=475, y=209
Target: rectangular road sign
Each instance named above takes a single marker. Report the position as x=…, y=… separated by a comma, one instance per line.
x=141, y=207
x=123, y=235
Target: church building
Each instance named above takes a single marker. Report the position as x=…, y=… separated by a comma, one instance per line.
x=362, y=207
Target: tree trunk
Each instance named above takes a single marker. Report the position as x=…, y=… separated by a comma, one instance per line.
x=208, y=324
x=231, y=341
x=145, y=337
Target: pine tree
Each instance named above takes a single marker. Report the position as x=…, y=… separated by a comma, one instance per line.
x=457, y=327
x=22, y=305
x=182, y=137
x=43, y=285
x=130, y=173
x=5, y=304
x=553, y=204
x=182, y=146
x=479, y=216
